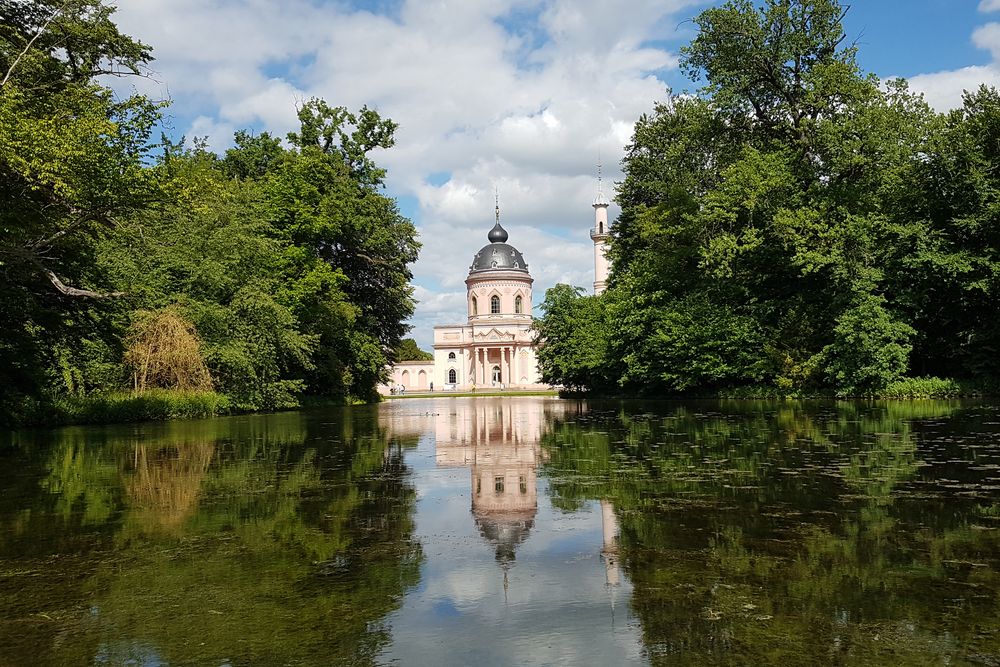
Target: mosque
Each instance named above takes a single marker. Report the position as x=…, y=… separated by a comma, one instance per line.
x=495, y=348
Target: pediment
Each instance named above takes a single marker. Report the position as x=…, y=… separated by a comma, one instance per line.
x=494, y=334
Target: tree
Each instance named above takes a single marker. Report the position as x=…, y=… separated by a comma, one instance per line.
x=946, y=273
x=572, y=339
x=761, y=217
x=71, y=166
x=407, y=350
x=288, y=266
x=202, y=253
x=324, y=200
x=164, y=351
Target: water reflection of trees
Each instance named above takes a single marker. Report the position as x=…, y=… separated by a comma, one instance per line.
x=263, y=540
x=756, y=533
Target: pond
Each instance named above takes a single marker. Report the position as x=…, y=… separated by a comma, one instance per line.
x=509, y=531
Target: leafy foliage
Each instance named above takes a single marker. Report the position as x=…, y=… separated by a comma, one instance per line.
x=572, y=339
x=799, y=223
x=290, y=264
x=408, y=350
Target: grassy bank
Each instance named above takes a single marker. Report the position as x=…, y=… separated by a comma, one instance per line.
x=905, y=389
x=121, y=407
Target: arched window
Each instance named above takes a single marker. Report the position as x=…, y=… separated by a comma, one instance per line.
x=475, y=306
x=451, y=356
x=452, y=376
x=495, y=304
x=518, y=304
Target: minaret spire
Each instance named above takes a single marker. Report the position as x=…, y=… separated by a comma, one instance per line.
x=600, y=181
x=498, y=234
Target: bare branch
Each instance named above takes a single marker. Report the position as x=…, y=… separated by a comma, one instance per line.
x=372, y=260
x=27, y=47
x=75, y=291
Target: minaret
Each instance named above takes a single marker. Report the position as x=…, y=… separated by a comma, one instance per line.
x=599, y=234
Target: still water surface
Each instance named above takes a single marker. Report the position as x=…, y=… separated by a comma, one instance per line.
x=509, y=531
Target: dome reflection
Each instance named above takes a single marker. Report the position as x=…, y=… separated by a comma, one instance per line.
x=499, y=442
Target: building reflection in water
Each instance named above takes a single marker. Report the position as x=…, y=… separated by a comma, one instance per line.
x=609, y=550
x=499, y=441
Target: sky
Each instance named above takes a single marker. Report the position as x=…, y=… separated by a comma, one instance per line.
x=519, y=97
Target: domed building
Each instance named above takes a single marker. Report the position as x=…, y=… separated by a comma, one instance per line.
x=494, y=348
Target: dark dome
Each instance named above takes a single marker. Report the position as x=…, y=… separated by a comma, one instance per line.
x=498, y=255
x=505, y=530
x=498, y=234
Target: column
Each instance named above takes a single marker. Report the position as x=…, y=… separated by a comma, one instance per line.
x=506, y=361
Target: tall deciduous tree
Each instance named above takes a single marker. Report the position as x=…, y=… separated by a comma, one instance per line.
x=290, y=264
x=572, y=335
x=71, y=165
x=759, y=225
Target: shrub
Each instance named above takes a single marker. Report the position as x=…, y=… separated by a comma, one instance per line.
x=928, y=387
x=870, y=350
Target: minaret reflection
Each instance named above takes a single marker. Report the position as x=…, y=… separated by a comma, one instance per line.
x=609, y=550
x=499, y=441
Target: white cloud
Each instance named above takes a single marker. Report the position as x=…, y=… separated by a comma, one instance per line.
x=520, y=95
x=989, y=6
x=987, y=37
x=943, y=90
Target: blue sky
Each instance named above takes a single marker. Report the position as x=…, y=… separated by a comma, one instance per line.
x=517, y=95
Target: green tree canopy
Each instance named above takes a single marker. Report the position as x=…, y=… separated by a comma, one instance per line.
x=798, y=222
x=290, y=262
x=408, y=350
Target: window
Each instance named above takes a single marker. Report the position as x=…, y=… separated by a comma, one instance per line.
x=451, y=356
x=495, y=304
x=479, y=485
x=518, y=304
x=452, y=376
x=523, y=484
x=498, y=484
x=475, y=306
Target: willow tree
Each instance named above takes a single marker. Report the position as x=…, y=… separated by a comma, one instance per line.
x=164, y=351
